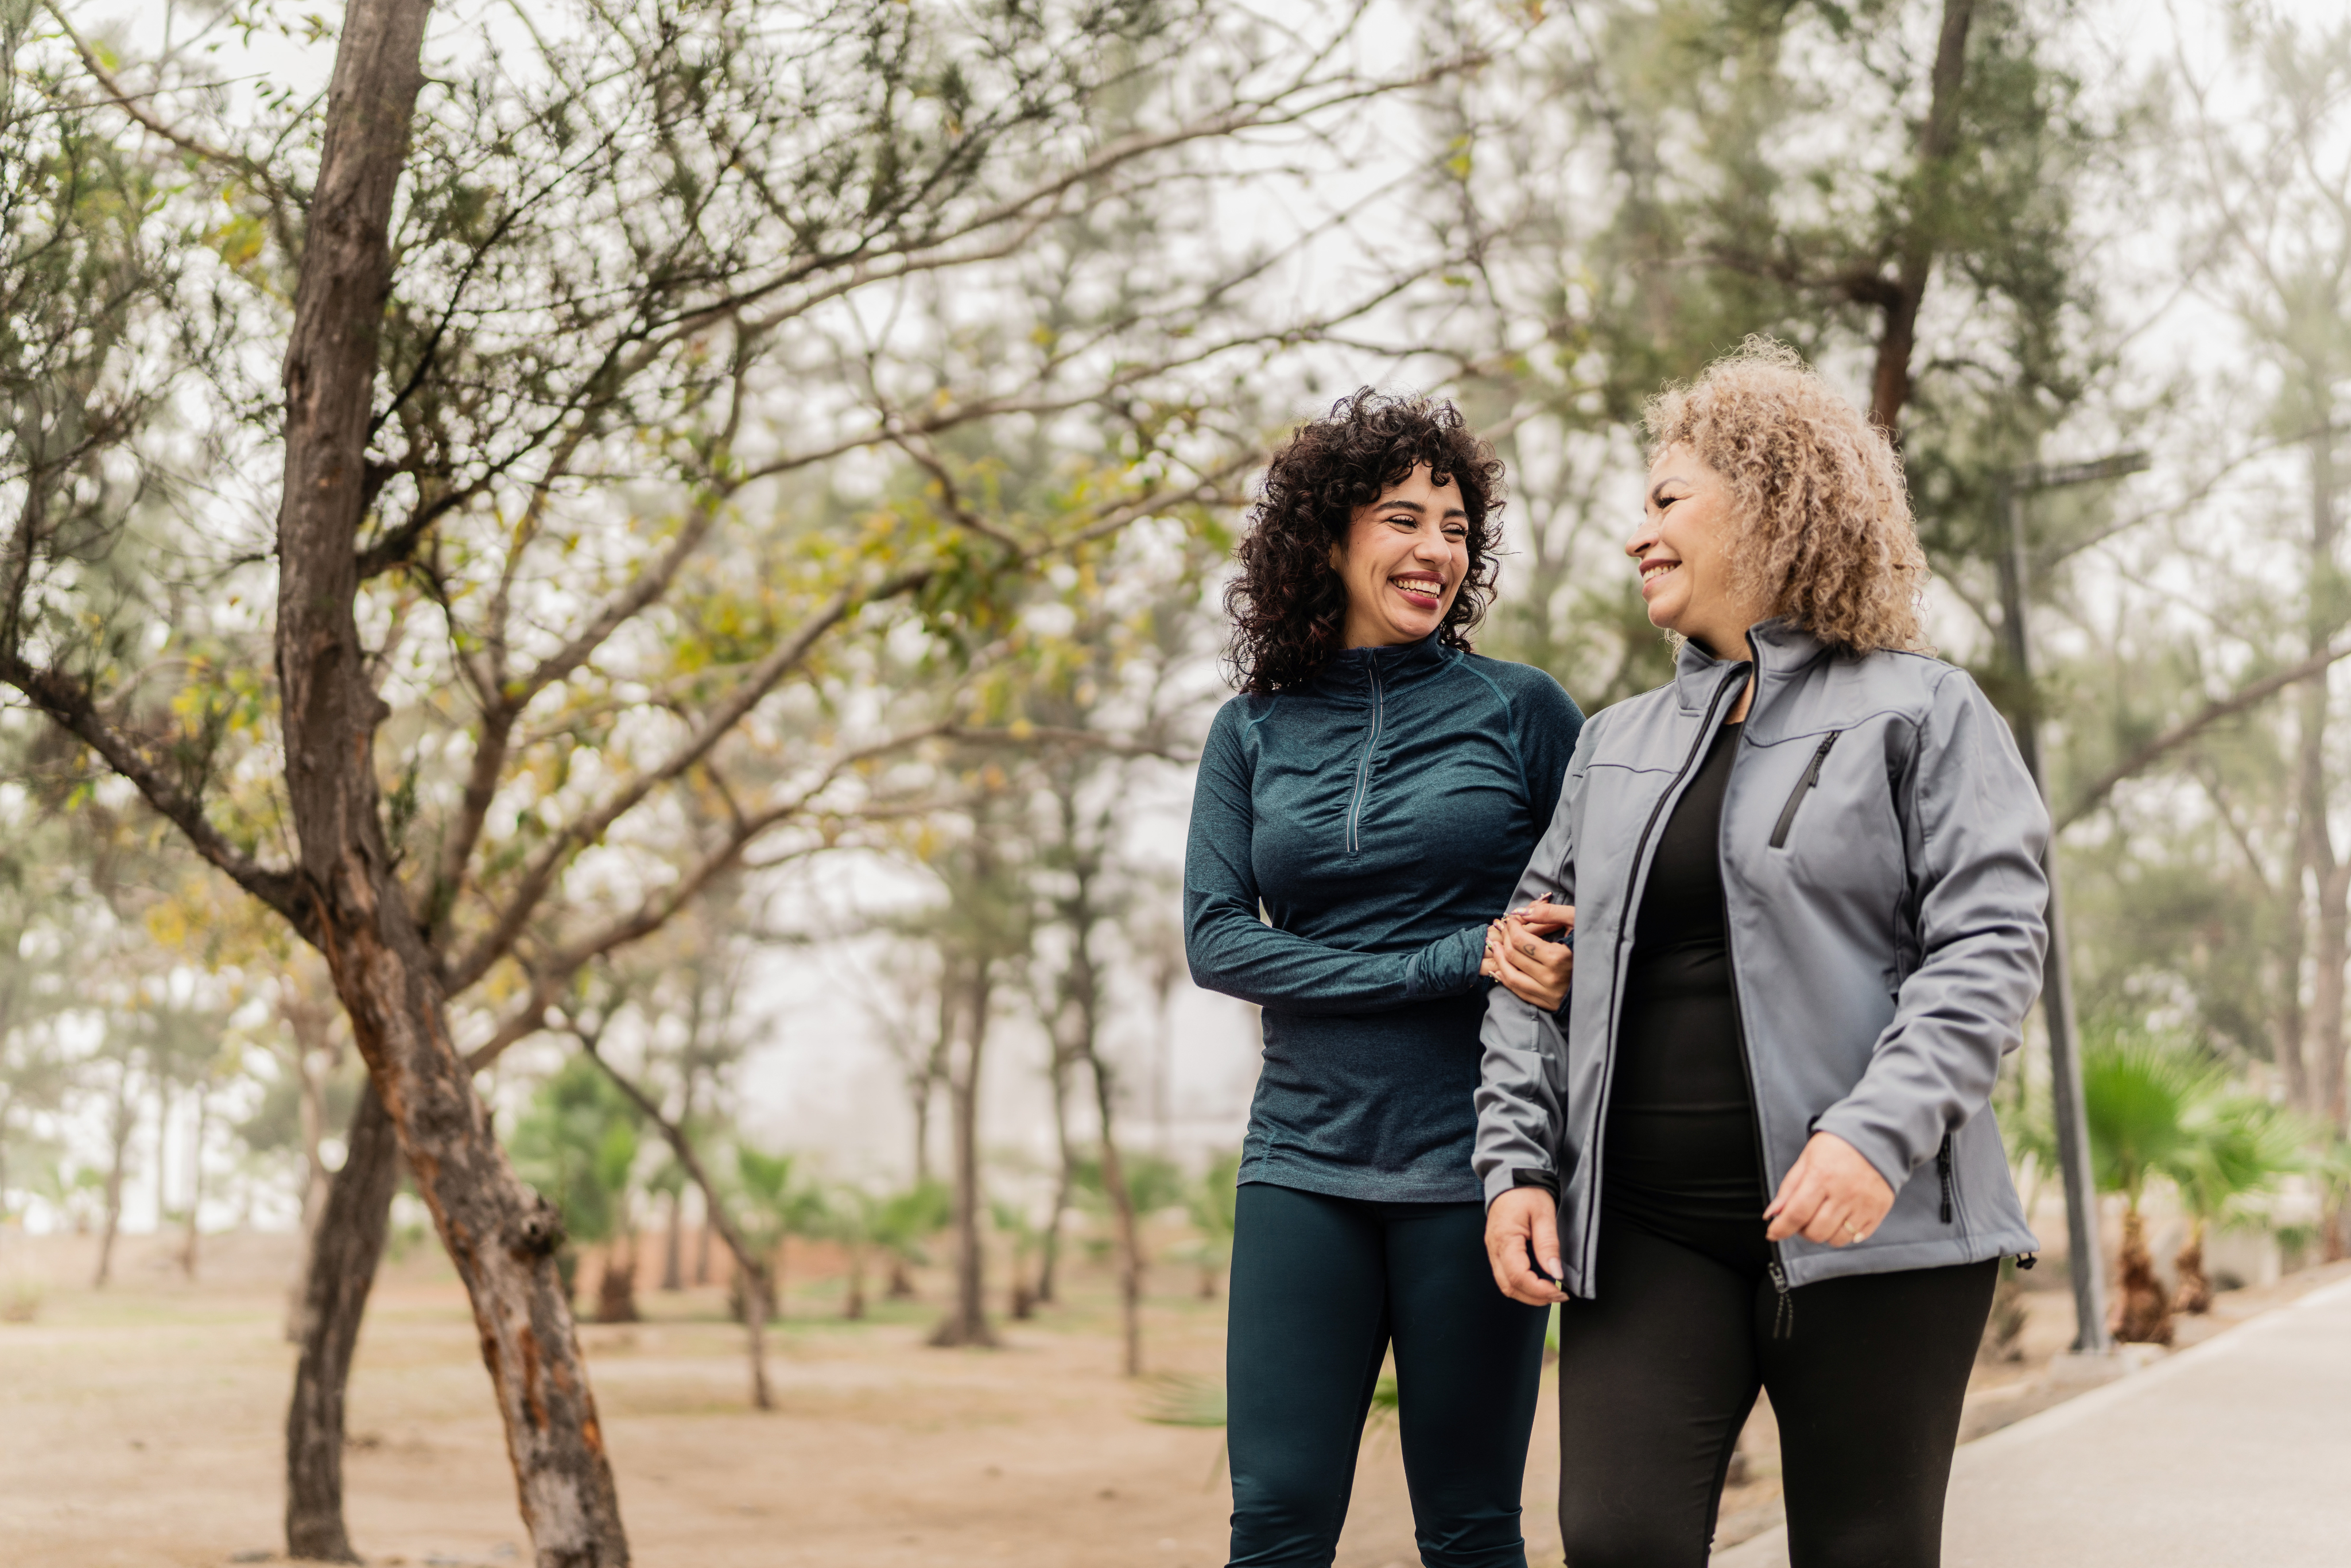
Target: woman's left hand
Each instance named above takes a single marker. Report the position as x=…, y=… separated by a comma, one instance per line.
x=1831, y=1195
x=1535, y=970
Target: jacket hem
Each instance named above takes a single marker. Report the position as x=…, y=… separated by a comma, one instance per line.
x=1846, y=1262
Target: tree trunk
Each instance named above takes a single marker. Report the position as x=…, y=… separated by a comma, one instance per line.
x=1081, y=995
x=852, y=1306
x=967, y=1321
x=188, y=1245
x=1162, y=1057
x=2195, y=1293
x=163, y=1149
x=2333, y=950
x=1899, y=301
x=673, y=1246
x=122, y=1127
x=2293, y=1021
x=1049, y=1246
x=346, y=1246
x=921, y=1091
x=1121, y=1203
x=2323, y=1029
x=616, y=1288
x=2141, y=1313
x=755, y=1325
x=311, y=1020
x=501, y=1237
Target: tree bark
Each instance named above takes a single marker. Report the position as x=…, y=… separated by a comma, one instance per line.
x=2322, y=1041
x=2194, y=1295
x=852, y=1306
x=1049, y=1247
x=967, y=1321
x=2292, y=1021
x=189, y=1244
x=501, y=1237
x=922, y=1090
x=2330, y=953
x=121, y=1125
x=1081, y=1009
x=674, y=1245
x=346, y=1246
x=1899, y=302
x=2142, y=1313
x=1121, y=1203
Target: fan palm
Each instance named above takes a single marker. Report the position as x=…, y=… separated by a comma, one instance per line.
x=2140, y=1094
x=2239, y=1146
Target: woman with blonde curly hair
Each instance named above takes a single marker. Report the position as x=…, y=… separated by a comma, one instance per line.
x=1754, y=1146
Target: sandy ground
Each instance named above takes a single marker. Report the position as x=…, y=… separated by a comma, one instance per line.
x=140, y=1427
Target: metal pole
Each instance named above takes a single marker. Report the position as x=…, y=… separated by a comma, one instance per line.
x=2083, y=1260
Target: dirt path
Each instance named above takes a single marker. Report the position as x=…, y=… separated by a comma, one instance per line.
x=141, y=1429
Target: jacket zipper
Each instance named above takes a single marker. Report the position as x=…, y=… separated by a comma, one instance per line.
x=1951, y=1179
x=1804, y=786
x=1616, y=965
x=1784, y=1314
x=1364, y=769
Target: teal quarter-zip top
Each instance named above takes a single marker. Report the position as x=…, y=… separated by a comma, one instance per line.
x=1378, y=818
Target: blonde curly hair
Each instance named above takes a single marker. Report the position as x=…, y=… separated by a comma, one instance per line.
x=1826, y=535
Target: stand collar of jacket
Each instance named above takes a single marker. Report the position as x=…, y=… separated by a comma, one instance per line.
x=1350, y=670
x=1782, y=651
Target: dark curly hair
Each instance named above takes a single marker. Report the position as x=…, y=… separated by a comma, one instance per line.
x=1289, y=604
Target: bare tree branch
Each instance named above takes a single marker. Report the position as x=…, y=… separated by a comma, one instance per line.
x=134, y=106
x=2250, y=696
x=69, y=704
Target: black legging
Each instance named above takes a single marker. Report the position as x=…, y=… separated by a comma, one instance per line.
x=1657, y=1374
x=1320, y=1286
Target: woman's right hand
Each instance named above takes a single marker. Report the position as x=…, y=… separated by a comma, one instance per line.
x=1534, y=969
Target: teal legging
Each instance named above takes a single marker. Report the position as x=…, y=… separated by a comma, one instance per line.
x=1320, y=1287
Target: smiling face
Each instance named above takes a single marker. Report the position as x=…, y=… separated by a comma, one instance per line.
x=1684, y=546
x=1404, y=561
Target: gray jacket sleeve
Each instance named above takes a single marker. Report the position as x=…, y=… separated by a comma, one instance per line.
x=1522, y=1076
x=1975, y=829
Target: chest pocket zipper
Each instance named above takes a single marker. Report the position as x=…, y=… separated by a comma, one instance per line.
x=1804, y=786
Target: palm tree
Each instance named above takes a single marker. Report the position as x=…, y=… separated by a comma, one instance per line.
x=2240, y=1146
x=774, y=1207
x=2140, y=1091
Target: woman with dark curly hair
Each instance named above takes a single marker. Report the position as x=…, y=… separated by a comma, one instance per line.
x=1364, y=807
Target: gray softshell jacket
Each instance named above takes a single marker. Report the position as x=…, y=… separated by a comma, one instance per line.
x=1882, y=877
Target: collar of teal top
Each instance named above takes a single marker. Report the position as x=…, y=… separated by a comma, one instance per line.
x=1352, y=669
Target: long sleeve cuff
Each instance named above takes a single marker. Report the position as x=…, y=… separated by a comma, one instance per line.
x=1447, y=966
x=1506, y=1179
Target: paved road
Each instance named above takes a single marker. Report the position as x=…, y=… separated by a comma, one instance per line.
x=2237, y=1452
